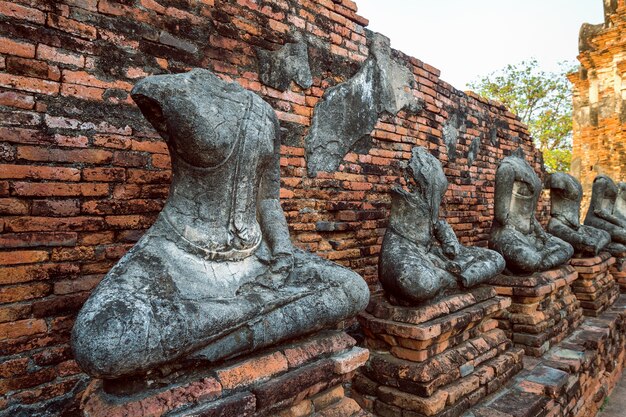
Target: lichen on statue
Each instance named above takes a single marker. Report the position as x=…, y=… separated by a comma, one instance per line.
x=421, y=258
x=216, y=275
x=606, y=212
x=566, y=194
x=515, y=232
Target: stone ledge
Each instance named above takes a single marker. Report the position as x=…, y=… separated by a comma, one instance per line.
x=304, y=375
x=572, y=378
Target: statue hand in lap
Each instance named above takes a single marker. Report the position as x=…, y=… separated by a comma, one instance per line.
x=216, y=275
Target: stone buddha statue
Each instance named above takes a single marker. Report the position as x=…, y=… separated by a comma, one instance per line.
x=421, y=257
x=216, y=275
x=606, y=212
x=566, y=194
x=515, y=231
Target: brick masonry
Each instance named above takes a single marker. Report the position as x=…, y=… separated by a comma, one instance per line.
x=599, y=144
x=83, y=175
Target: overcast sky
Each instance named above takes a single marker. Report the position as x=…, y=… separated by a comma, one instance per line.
x=466, y=39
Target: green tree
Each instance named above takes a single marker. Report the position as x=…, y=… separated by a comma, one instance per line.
x=542, y=100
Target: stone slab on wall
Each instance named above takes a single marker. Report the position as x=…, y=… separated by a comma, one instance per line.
x=83, y=175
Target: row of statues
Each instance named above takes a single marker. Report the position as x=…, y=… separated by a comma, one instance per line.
x=217, y=276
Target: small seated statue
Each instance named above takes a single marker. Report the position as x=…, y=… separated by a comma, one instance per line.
x=515, y=231
x=421, y=257
x=566, y=194
x=216, y=275
x=606, y=212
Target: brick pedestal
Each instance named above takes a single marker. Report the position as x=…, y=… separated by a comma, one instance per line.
x=595, y=287
x=436, y=360
x=543, y=311
x=618, y=270
x=572, y=379
x=304, y=378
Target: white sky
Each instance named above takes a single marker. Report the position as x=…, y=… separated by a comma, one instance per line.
x=467, y=39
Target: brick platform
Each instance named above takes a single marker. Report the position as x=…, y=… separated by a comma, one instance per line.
x=543, y=310
x=572, y=379
x=436, y=360
x=296, y=380
x=618, y=270
x=595, y=287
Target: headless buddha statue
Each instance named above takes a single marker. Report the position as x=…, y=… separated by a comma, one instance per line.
x=566, y=194
x=216, y=275
x=421, y=257
x=515, y=231
x=606, y=212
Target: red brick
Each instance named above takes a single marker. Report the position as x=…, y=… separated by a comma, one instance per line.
x=152, y=147
x=89, y=156
x=24, y=292
x=130, y=159
x=43, y=224
x=112, y=141
x=72, y=26
x=59, y=189
x=161, y=161
x=84, y=78
x=16, y=257
x=142, y=176
x=13, y=367
x=32, y=68
x=39, y=173
x=20, y=12
x=13, y=206
x=22, y=328
x=55, y=208
x=15, y=99
x=104, y=174
x=34, y=85
x=130, y=221
x=82, y=92
x=17, y=48
x=74, y=286
x=27, y=381
x=251, y=371
x=50, y=53
x=24, y=240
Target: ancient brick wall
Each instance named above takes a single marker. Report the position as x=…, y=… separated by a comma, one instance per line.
x=599, y=139
x=82, y=174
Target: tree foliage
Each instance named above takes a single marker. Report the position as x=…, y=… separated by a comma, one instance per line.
x=542, y=100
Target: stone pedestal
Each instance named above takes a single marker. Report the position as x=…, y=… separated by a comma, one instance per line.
x=595, y=287
x=436, y=360
x=618, y=270
x=304, y=378
x=543, y=311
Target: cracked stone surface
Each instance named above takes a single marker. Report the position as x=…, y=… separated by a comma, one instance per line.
x=421, y=256
x=566, y=193
x=515, y=232
x=350, y=110
x=216, y=276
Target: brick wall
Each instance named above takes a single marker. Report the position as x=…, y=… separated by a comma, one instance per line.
x=599, y=139
x=82, y=174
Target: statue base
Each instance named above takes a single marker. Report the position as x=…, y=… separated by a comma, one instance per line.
x=573, y=378
x=618, y=270
x=435, y=360
x=543, y=311
x=595, y=287
x=303, y=378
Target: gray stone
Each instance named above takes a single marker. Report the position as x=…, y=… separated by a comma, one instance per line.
x=472, y=153
x=290, y=63
x=351, y=109
x=604, y=212
x=421, y=257
x=216, y=275
x=168, y=39
x=566, y=193
x=452, y=129
x=586, y=35
x=515, y=231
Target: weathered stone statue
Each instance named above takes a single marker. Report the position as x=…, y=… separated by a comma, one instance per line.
x=216, y=275
x=566, y=194
x=515, y=231
x=606, y=212
x=421, y=256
